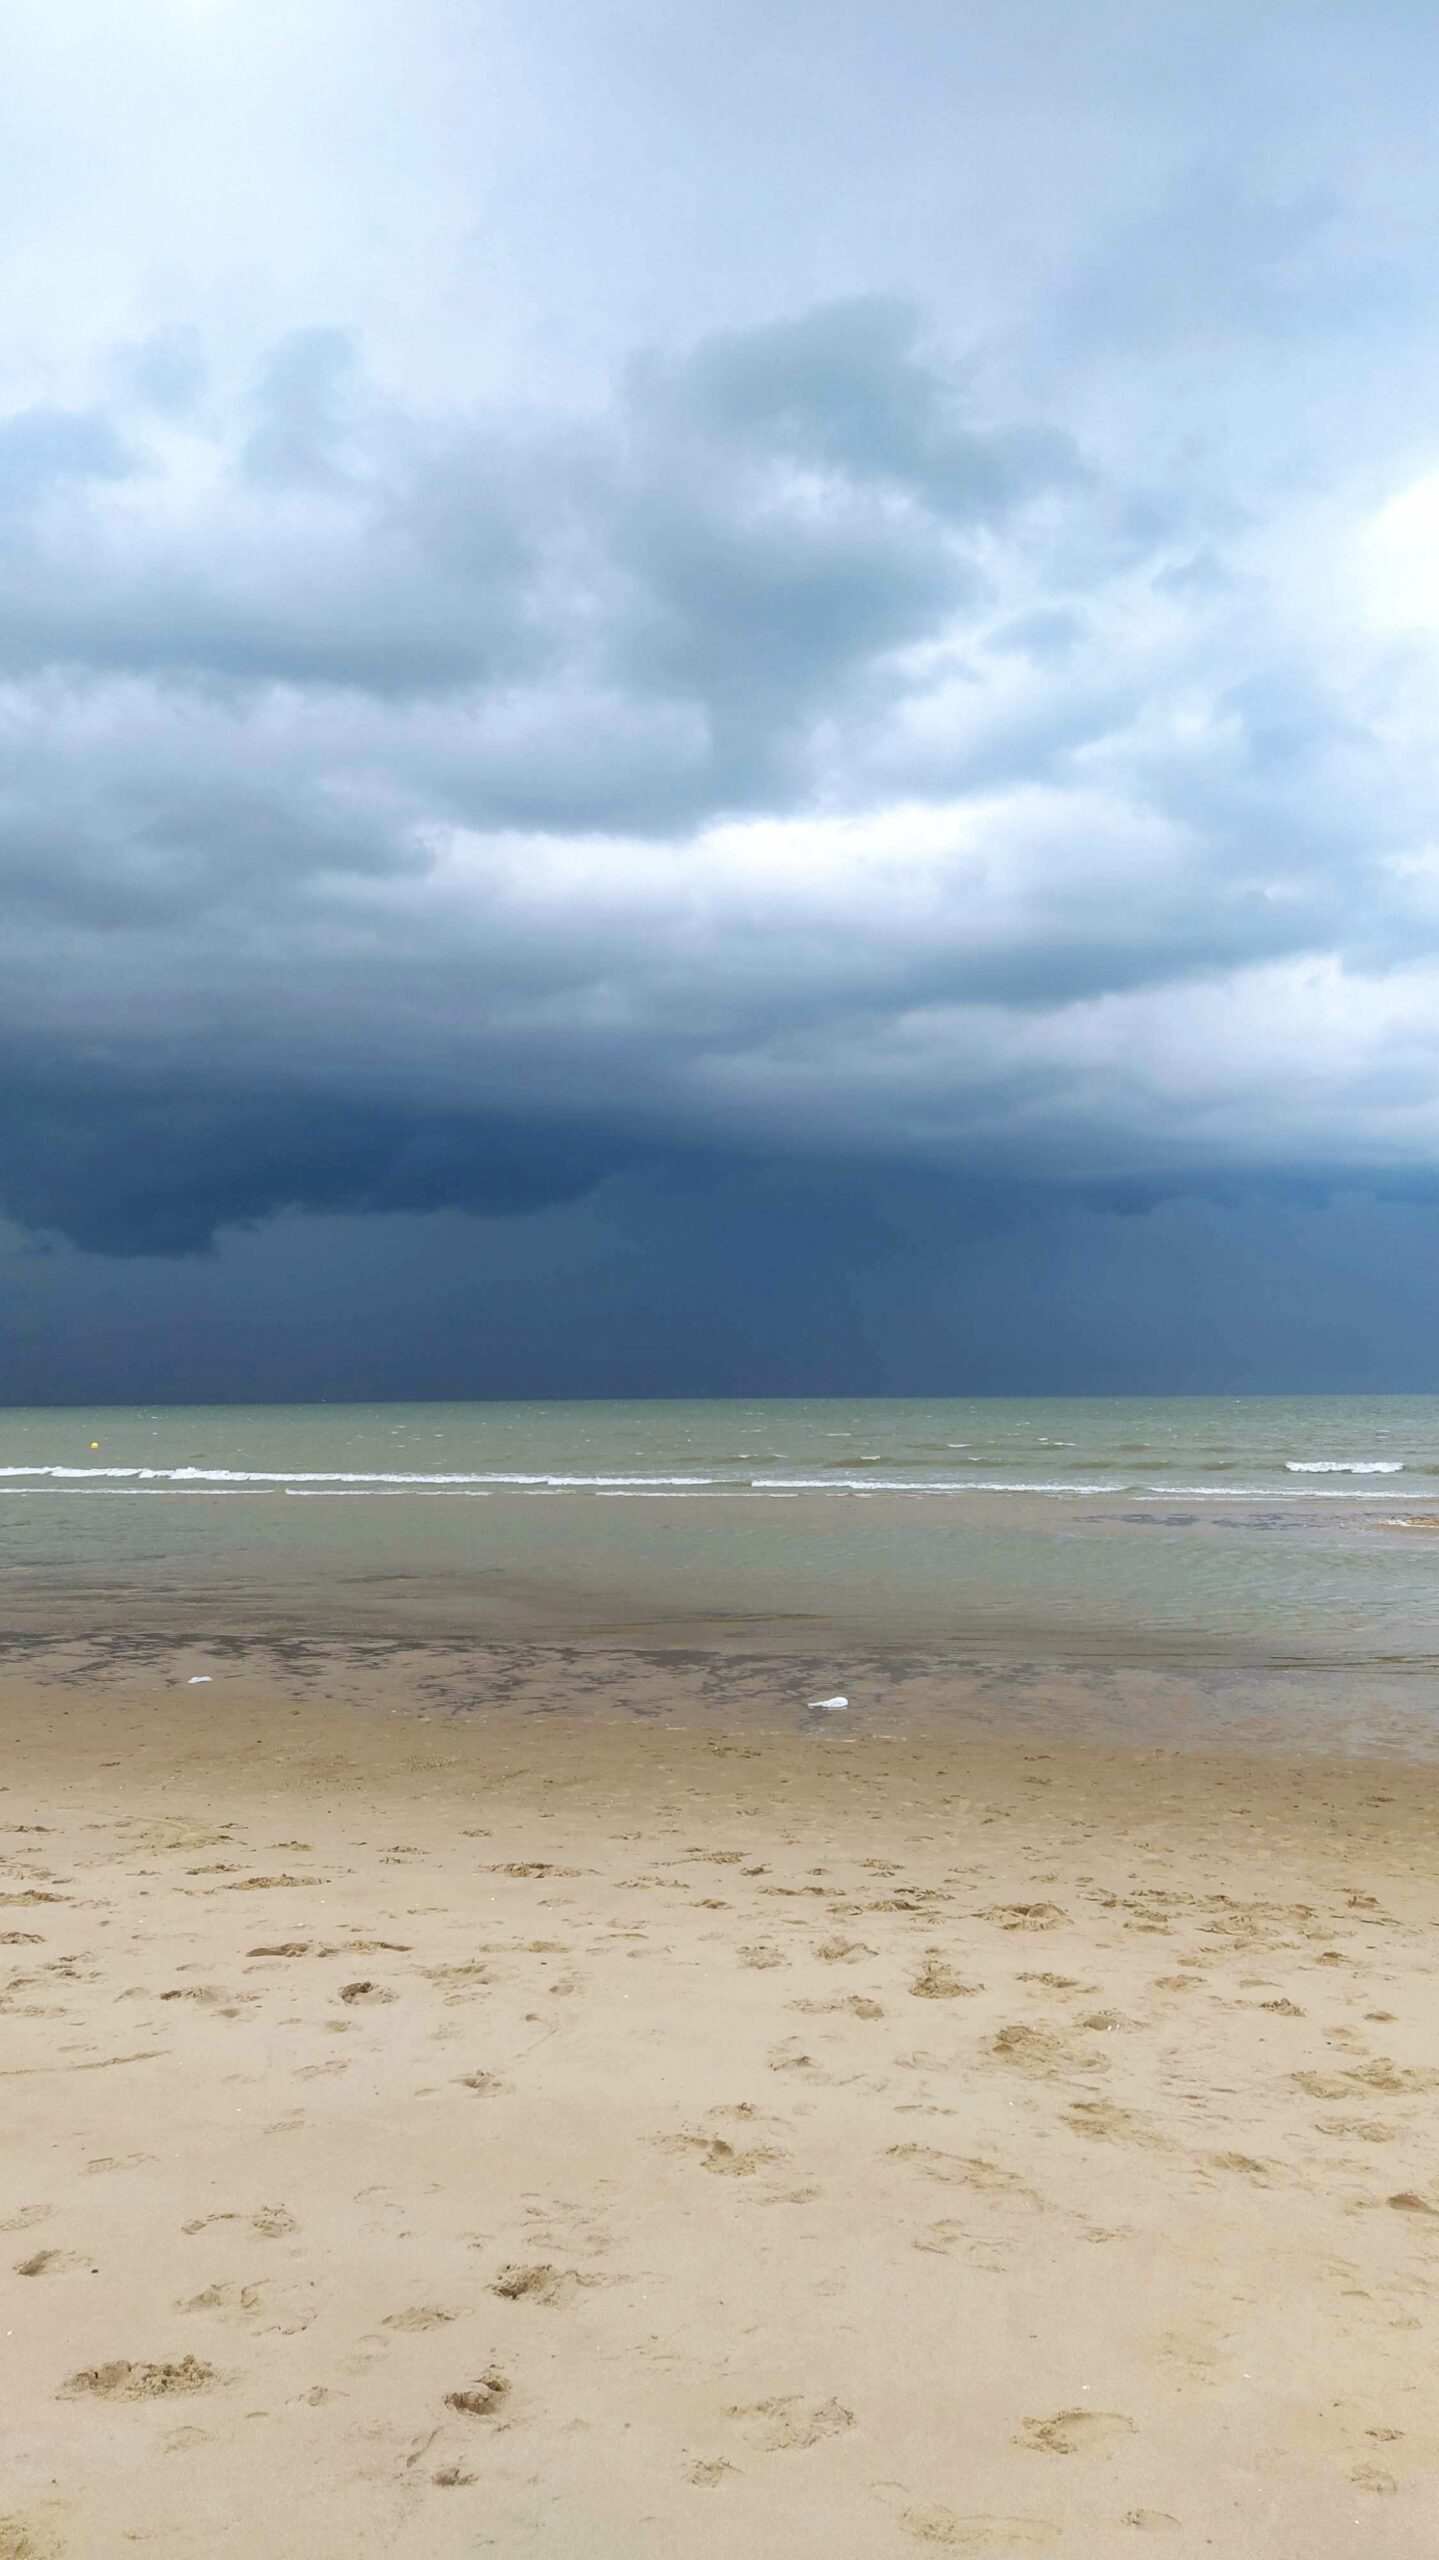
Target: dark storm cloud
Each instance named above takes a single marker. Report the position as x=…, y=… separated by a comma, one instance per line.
x=157, y=1171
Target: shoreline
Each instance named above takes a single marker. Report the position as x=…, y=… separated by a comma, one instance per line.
x=792, y=2139
x=1328, y=1713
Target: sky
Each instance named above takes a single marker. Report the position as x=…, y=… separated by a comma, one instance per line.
x=706, y=701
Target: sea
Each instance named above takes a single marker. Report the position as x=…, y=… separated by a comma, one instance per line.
x=1262, y=1531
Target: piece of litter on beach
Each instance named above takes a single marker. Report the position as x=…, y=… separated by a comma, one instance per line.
x=830, y=1706
x=197, y=1679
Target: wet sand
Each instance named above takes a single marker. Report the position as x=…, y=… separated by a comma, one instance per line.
x=596, y=2125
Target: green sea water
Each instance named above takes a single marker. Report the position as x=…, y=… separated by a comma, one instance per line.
x=1223, y=1530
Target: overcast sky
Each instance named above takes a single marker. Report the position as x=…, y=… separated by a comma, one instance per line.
x=718, y=698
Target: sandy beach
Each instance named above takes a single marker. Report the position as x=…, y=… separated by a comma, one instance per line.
x=719, y=1258
x=623, y=2131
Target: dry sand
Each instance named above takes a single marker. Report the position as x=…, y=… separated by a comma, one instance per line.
x=603, y=2134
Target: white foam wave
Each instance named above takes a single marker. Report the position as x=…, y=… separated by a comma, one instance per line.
x=329, y=1476
x=1344, y=1466
x=1252, y=1493
x=921, y=1484
x=1135, y=1484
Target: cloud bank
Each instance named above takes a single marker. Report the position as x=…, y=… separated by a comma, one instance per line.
x=839, y=732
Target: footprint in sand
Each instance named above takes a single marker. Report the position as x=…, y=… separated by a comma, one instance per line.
x=186, y=2439
x=1045, y=2054
x=1380, y=2074
x=54, y=2262
x=1105, y=2123
x=1391, y=2080
x=177, y=1834
x=122, y=2380
x=788, y=2424
x=559, y=2224
x=791, y=2056
x=937, y=1980
x=272, y=2310
x=459, y=1984
x=1025, y=1915
x=273, y=2222
x=724, y=2159
x=542, y=2283
x=365, y=1995
x=954, y=2169
x=1241, y=2164
x=367, y=1947
x=940, y=2238
x=22, y=2541
x=980, y=2534
x=267, y=1884
x=425, y=2315
x=1074, y=2431
x=483, y=2398
x=854, y=2002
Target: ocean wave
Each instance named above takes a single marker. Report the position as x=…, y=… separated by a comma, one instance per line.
x=332, y=1475
x=1151, y=1481
x=923, y=1484
x=1254, y=1493
x=1344, y=1466
x=374, y=1492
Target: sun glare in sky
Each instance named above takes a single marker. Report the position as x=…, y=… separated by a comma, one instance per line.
x=1402, y=557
